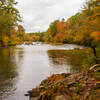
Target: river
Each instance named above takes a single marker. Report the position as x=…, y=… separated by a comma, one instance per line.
x=23, y=67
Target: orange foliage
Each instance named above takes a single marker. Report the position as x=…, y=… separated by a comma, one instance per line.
x=59, y=26
x=20, y=29
x=13, y=31
x=5, y=39
x=60, y=37
x=96, y=35
x=35, y=38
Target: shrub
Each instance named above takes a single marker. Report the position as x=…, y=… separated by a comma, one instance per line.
x=89, y=61
x=78, y=87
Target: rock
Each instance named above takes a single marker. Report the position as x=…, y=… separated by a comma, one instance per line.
x=97, y=85
x=27, y=94
x=65, y=75
x=71, y=83
x=45, y=97
x=43, y=82
x=98, y=70
x=93, y=68
x=63, y=86
x=34, y=92
x=61, y=97
x=41, y=88
x=86, y=95
x=72, y=89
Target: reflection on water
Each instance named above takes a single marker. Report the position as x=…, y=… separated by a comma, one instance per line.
x=58, y=60
x=24, y=67
x=72, y=62
x=7, y=70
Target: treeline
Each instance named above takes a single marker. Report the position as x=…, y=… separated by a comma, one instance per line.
x=82, y=28
x=33, y=37
x=11, y=33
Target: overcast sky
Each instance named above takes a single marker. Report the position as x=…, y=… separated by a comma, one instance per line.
x=38, y=14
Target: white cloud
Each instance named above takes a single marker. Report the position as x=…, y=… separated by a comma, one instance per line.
x=38, y=14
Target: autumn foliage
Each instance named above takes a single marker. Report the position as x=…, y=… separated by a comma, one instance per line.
x=82, y=28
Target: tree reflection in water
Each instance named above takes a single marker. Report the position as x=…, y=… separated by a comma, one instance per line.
x=63, y=57
x=8, y=72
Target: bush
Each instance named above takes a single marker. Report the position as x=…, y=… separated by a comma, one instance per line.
x=89, y=61
x=78, y=87
x=77, y=48
x=97, y=75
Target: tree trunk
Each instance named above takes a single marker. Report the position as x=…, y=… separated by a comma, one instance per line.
x=94, y=51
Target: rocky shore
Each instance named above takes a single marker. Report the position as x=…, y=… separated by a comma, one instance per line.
x=80, y=86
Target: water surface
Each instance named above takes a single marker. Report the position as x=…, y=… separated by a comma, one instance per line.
x=24, y=67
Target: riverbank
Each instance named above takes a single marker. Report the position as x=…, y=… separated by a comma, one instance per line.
x=16, y=43
x=81, y=86
x=11, y=43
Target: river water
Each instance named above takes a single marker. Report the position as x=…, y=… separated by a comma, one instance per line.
x=23, y=67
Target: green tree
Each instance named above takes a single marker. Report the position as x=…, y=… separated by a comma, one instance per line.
x=53, y=28
x=9, y=17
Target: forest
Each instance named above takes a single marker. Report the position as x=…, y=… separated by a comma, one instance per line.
x=82, y=28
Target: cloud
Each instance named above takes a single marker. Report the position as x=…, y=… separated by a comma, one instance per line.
x=38, y=14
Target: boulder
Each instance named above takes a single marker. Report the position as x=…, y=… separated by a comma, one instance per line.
x=95, y=68
x=61, y=97
x=97, y=85
x=86, y=95
x=34, y=92
x=65, y=74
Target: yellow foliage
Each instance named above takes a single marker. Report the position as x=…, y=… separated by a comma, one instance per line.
x=5, y=39
x=36, y=38
x=13, y=37
x=96, y=10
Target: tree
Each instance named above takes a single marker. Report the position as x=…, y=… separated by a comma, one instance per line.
x=9, y=16
x=21, y=32
x=53, y=28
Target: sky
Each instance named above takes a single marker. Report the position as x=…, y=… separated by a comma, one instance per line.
x=38, y=14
